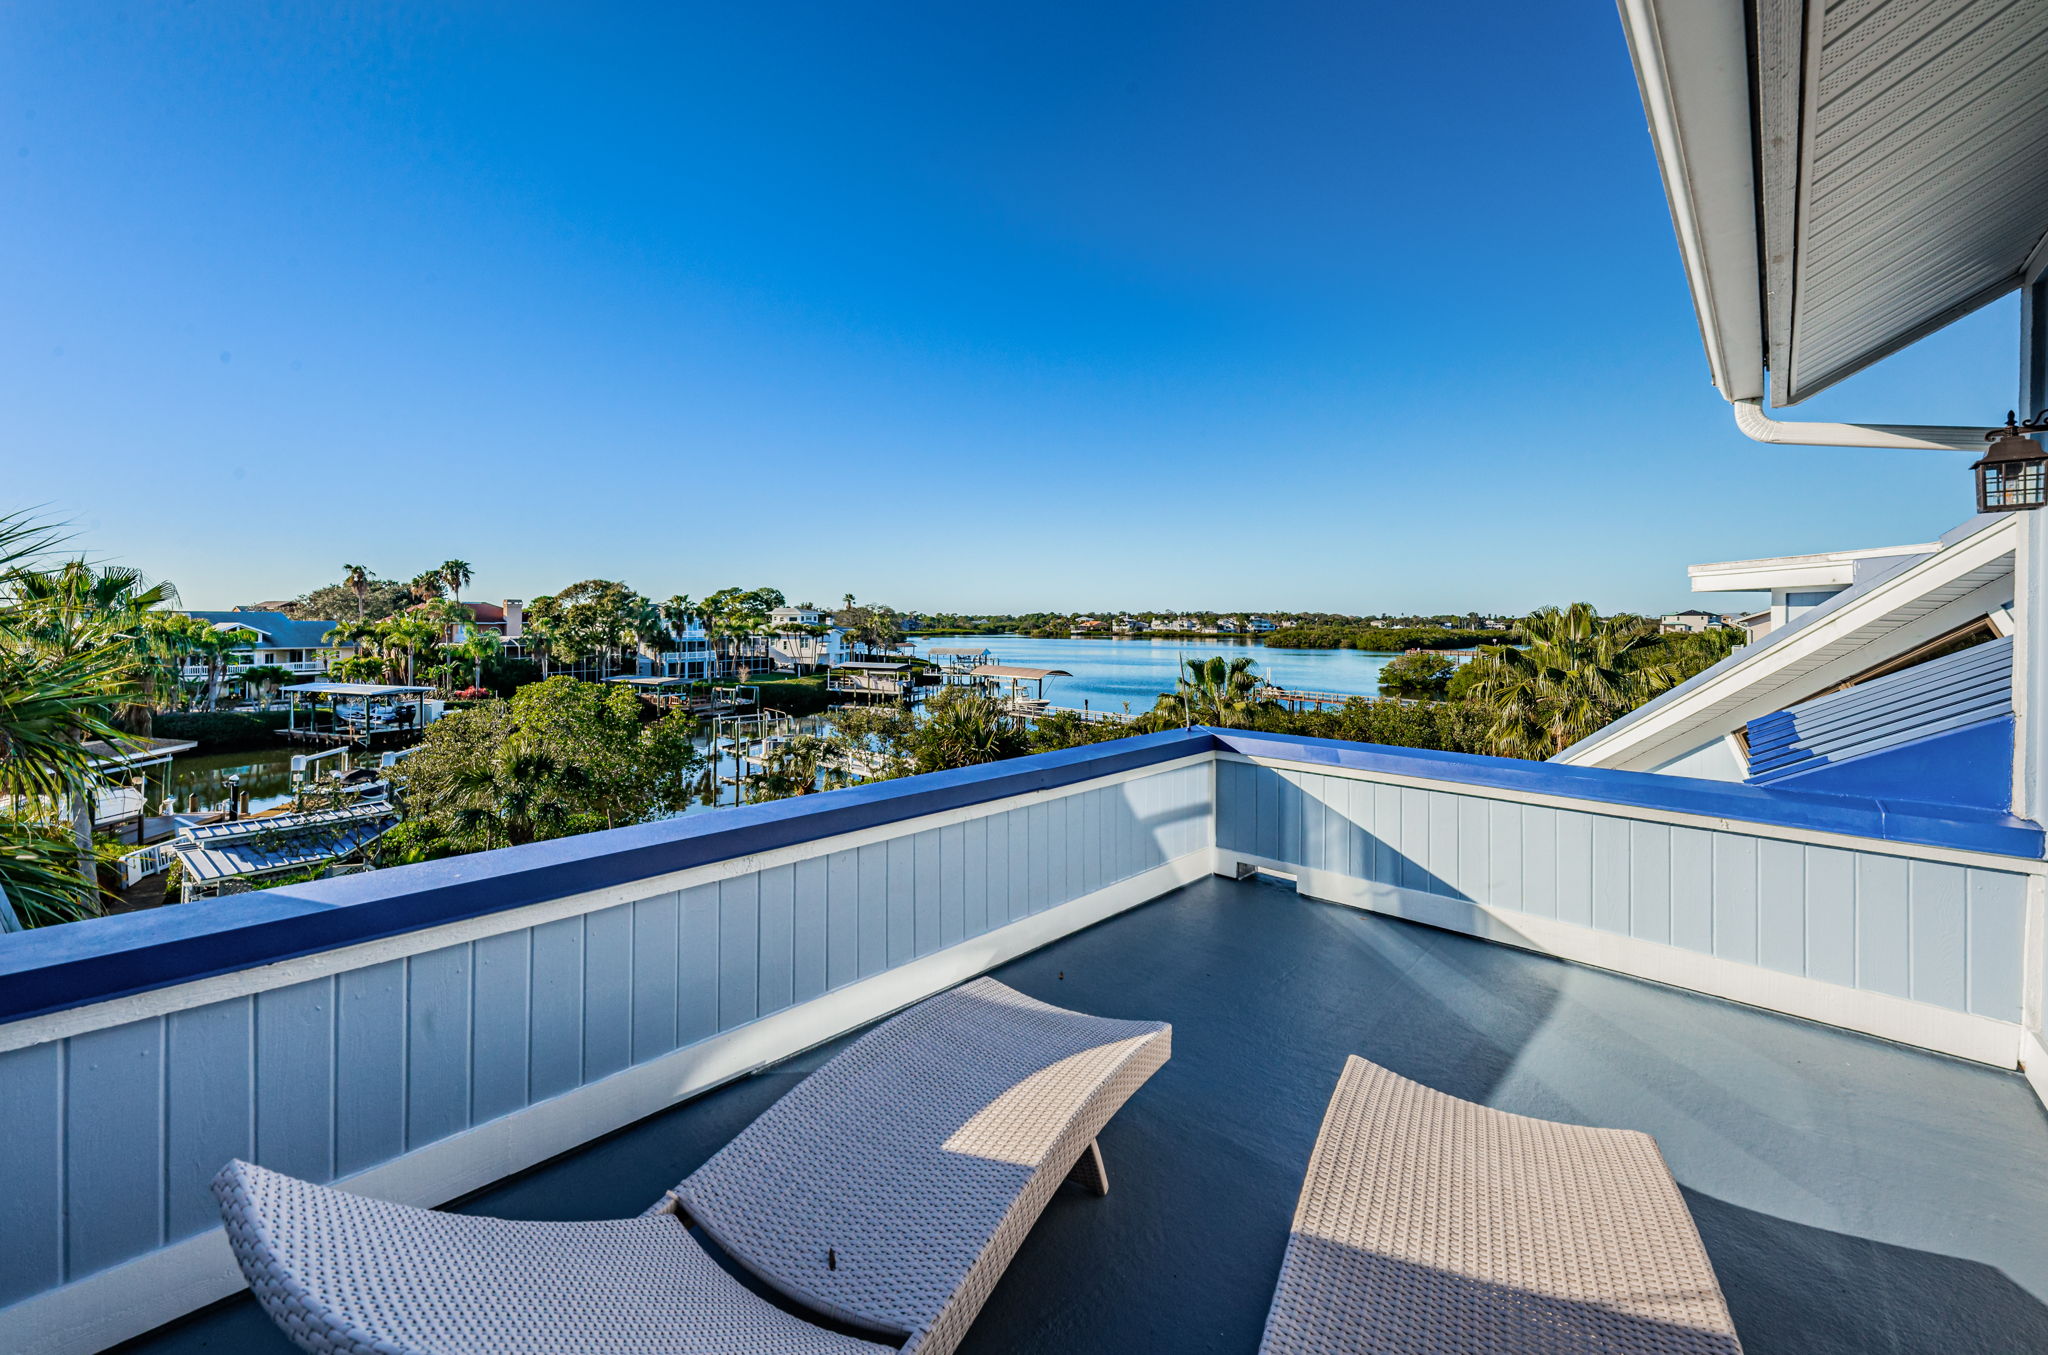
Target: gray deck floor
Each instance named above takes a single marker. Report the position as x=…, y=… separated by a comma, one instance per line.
x=1855, y=1196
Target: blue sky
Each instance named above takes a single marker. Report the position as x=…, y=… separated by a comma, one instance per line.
x=1281, y=306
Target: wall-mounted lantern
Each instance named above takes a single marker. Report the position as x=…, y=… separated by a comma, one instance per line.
x=2014, y=473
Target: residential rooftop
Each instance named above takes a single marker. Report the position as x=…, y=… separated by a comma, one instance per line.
x=1854, y=1195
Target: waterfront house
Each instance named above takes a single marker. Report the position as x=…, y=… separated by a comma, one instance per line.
x=788, y=618
x=688, y=655
x=301, y=648
x=796, y=650
x=1817, y=984
x=1258, y=625
x=506, y=620
x=1692, y=621
x=1226, y=626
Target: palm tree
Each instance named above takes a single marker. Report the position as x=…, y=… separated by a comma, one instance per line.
x=411, y=634
x=1219, y=691
x=477, y=647
x=356, y=579
x=214, y=645
x=425, y=586
x=72, y=656
x=456, y=574
x=1578, y=672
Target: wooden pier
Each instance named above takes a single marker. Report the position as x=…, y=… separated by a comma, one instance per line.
x=1296, y=699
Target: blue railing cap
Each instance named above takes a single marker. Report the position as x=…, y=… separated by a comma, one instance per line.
x=52, y=968
x=1891, y=820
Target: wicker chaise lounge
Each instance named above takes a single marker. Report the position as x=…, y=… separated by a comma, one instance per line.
x=1430, y=1224
x=888, y=1191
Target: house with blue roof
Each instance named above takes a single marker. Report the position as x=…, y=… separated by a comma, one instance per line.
x=300, y=647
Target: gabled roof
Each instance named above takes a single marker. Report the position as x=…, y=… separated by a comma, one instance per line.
x=1902, y=603
x=278, y=630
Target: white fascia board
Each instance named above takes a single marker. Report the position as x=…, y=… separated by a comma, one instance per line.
x=1692, y=67
x=1793, y=662
x=1830, y=569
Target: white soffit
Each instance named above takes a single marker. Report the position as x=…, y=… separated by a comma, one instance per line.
x=1904, y=156
x=1892, y=178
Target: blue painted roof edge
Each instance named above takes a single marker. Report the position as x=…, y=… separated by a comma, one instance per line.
x=1889, y=820
x=51, y=968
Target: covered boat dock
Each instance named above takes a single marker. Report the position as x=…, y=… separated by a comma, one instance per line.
x=365, y=714
x=227, y=858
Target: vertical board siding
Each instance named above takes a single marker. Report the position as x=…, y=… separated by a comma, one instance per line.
x=607, y=991
x=32, y=1200
x=113, y=1136
x=437, y=1045
x=555, y=1045
x=657, y=929
x=113, y=1146
x=777, y=986
x=1941, y=934
x=1998, y=910
x=295, y=1042
x=369, y=1066
x=502, y=1022
x=209, y=1098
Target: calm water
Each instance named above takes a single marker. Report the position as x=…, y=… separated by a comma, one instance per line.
x=1108, y=673
x=201, y=783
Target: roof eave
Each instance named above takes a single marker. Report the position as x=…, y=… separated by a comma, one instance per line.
x=1699, y=115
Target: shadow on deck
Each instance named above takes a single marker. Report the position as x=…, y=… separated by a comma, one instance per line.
x=1855, y=1196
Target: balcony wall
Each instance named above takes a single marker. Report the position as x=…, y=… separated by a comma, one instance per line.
x=517, y=1017
x=420, y=1032
x=1911, y=941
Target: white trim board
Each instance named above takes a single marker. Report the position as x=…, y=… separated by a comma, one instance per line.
x=1981, y=1039
x=139, y=1295
x=58, y=1025
x=2015, y=865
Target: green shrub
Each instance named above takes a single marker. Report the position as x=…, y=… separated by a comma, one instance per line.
x=221, y=731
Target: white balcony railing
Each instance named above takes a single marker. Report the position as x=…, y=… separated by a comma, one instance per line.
x=421, y=1031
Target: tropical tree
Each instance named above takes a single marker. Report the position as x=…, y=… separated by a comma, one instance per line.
x=594, y=619
x=456, y=574
x=356, y=578
x=266, y=678
x=1421, y=672
x=425, y=586
x=870, y=629
x=68, y=665
x=476, y=648
x=800, y=765
x=545, y=631
x=214, y=645
x=410, y=635
x=964, y=727
x=1219, y=691
x=562, y=756
x=1577, y=672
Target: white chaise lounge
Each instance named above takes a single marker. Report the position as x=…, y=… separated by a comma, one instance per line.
x=1430, y=1224
x=888, y=1191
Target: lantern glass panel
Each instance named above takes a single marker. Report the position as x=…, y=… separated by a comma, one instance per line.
x=2007, y=485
